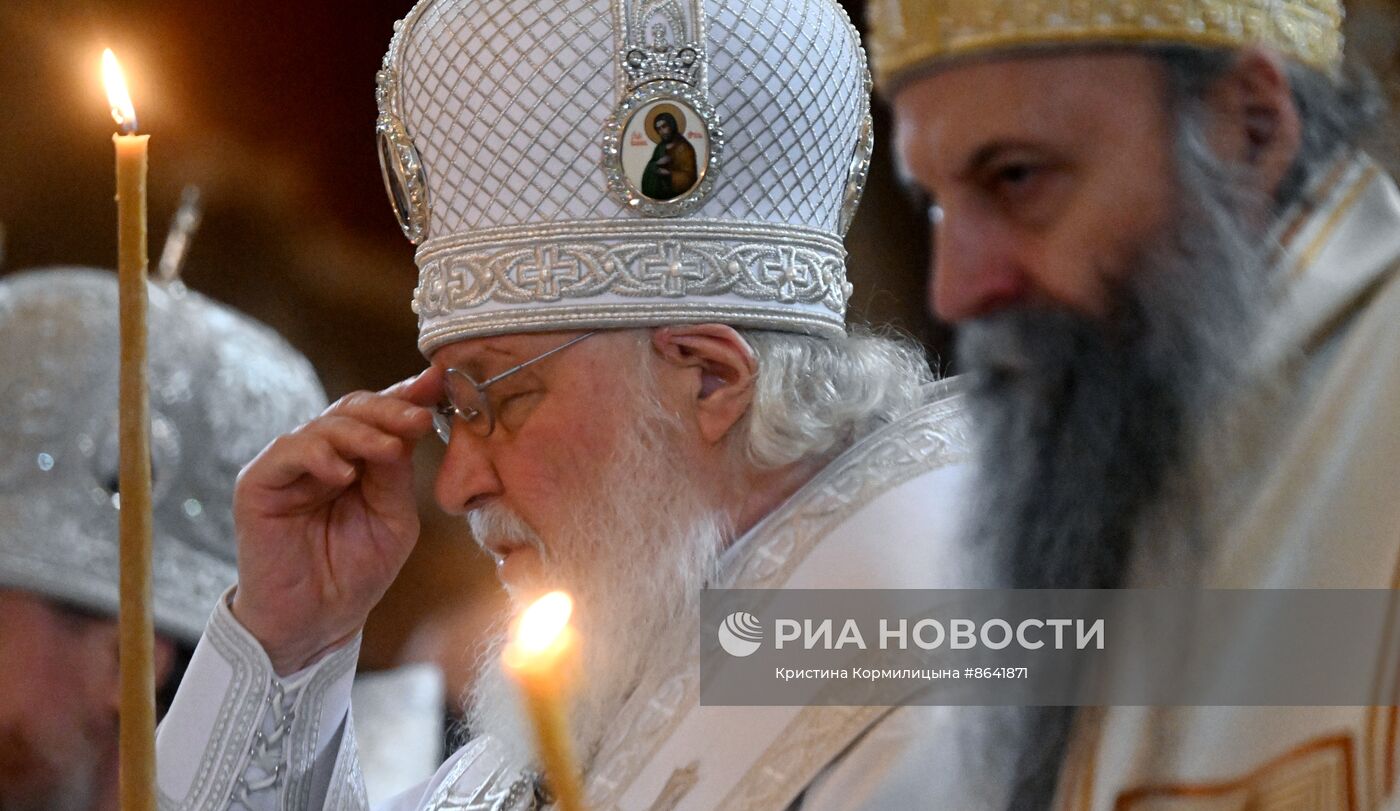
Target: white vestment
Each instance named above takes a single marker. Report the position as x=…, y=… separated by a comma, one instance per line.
x=884, y=515
x=399, y=725
x=1317, y=506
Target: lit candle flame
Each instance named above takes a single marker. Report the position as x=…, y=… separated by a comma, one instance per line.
x=541, y=659
x=123, y=112
x=541, y=629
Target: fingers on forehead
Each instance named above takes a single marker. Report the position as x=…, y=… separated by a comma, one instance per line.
x=425, y=384
x=388, y=413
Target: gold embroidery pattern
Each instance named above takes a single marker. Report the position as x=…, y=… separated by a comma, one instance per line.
x=1315, y=776
x=908, y=34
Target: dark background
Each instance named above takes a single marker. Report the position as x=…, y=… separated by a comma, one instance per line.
x=269, y=108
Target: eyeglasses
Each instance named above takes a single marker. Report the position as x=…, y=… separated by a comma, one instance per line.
x=467, y=400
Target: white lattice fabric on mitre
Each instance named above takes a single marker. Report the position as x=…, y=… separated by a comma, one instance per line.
x=502, y=127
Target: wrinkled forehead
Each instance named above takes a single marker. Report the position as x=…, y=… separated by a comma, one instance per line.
x=485, y=357
x=480, y=356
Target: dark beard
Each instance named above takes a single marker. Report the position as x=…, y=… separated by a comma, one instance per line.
x=1076, y=432
x=1086, y=424
x=1088, y=427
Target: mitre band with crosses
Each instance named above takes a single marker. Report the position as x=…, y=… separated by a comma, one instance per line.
x=907, y=36
x=618, y=163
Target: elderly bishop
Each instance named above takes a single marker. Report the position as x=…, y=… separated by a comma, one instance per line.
x=642, y=394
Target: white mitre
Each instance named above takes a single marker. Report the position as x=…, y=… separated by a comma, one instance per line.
x=526, y=153
x=222, y=387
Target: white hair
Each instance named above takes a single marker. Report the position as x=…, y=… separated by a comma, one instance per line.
x=815, y=396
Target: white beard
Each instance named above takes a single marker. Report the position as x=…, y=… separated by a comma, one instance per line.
x=639, y=550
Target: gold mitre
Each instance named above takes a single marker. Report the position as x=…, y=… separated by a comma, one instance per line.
x=914, y=34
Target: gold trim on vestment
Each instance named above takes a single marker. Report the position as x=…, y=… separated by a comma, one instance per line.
x=1351, y=766
x=1317, y=774
x=1324, y=235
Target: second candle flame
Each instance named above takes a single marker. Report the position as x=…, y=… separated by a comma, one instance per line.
x=542, y=628
x=123, y=111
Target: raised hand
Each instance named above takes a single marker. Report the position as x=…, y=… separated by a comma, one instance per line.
x=325, y=518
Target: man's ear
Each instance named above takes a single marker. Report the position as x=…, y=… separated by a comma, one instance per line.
x=1255, y=122
x=726, y=367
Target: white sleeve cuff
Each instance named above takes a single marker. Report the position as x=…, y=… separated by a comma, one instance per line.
x=237, y=732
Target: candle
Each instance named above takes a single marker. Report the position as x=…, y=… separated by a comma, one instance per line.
x=135, y=630
x=540, y=657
